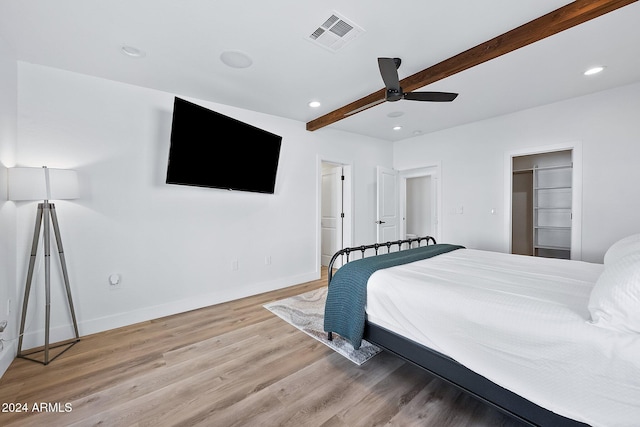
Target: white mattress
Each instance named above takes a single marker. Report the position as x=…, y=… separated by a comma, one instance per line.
x=521, y=322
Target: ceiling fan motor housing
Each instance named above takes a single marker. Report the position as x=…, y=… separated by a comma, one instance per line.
x=394, y=95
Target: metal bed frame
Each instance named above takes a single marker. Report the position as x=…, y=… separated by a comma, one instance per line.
x=443, y=366
x=408, y=244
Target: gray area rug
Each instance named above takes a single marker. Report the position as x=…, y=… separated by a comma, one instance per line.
x=306, y=312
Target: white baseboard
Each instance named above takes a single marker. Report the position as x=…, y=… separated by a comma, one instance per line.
x=92, y=326
x=7, y=355
x=117, y=320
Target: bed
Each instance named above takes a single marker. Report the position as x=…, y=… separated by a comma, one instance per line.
x=550, y=342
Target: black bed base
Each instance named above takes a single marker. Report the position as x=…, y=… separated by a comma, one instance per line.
x=447, y=368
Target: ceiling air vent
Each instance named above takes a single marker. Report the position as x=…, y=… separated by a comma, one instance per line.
x=335, y=32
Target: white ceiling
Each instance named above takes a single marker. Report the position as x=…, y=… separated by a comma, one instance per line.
x=183, y=41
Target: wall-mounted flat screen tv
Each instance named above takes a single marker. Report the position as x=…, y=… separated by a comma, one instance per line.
x=209, y=149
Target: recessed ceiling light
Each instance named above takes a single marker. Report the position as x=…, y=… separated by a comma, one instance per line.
x=236, y=59
x=131, y=51
x=314, y=104
x=397, y=128
x=593, y=70
x=395, y=114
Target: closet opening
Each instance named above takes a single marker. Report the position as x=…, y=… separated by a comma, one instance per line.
x=542, y=204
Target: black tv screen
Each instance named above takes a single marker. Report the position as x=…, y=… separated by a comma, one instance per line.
x=209, y=149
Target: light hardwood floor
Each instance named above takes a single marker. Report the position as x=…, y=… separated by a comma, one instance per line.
x=232, y=364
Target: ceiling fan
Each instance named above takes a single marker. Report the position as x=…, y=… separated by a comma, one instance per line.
x=393, y=91
x=389, y=70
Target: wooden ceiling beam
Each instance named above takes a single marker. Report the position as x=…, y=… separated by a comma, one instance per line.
x=574, y=13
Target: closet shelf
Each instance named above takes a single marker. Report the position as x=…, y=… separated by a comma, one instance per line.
x=553, y=188
x=558, y=248
x=540, y=168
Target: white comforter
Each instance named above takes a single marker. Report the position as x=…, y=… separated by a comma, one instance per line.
x=520, y=321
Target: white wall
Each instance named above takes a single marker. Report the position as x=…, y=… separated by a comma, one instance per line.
x=8, y=138
x=172, y=245
x=473, y=160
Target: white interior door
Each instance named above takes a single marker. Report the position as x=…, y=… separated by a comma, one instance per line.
x=331, y=213
x=388, y=217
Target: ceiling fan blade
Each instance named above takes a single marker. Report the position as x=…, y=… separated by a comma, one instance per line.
x=389, y=72
x=430, y=96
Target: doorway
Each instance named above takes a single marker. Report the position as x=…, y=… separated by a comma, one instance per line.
x=420, y=202
x=407, y=203
x=334, y=209
x=417, y=216
x=543, y=198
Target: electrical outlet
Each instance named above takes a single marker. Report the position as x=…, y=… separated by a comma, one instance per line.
x=115, y=281
x=234, y=265
x=3, y=326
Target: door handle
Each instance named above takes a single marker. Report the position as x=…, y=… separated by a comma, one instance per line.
x=380, y=222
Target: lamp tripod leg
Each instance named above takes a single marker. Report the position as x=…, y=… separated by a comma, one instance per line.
x=63, y=264
x=27, y=288
x=47, y=280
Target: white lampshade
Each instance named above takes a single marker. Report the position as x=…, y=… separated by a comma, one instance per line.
x=42, y=184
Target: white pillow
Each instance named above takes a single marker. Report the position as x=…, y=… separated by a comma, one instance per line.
x=621, y=248
x=615, y=299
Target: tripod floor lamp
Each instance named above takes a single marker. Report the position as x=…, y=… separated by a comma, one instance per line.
x=44, y=184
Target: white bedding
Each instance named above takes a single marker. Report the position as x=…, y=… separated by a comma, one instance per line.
x=520, y=321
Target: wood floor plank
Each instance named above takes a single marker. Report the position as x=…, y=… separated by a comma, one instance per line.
x=313, y=393
x=212, y=388
x=386, y=398
x=138, y=386
x=232, y=364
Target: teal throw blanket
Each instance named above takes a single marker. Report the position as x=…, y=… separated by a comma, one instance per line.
x=344, y=311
